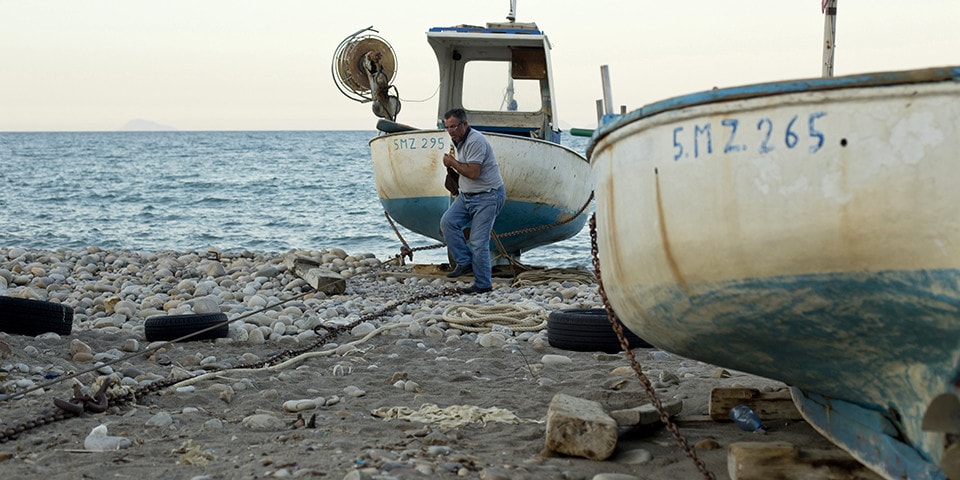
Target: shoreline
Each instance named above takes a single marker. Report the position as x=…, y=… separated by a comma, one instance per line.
x=256, y=423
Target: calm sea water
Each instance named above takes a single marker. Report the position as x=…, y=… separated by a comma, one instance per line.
x=235, y=191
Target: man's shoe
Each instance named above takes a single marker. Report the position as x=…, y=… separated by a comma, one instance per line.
x=460, y=271
x=475, y=289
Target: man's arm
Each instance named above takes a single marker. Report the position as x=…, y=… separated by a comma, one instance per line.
x=469, y=170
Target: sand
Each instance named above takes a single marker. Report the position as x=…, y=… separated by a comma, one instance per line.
x=242, y=423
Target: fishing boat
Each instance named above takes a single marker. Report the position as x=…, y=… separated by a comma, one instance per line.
x=501, y=75
x=805, y=231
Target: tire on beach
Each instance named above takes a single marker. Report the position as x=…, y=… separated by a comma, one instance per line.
x=33, y=317
x=587, y=330
x=172, y=327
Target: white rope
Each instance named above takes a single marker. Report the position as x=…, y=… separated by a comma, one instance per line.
x=482, y=318
x=545, y=276
x=292, y=361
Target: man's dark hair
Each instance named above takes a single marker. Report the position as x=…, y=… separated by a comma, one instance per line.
x=458, y=113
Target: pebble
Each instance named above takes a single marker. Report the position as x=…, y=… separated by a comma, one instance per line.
x=634, y=457
x=131, y=345
x=614, y=476
x=160, y=419
x=492, y=339
x=77, y=346
x=551, y=359
x=707, y=444
x=354, y=391
x=299, y=405
x=99, y=441
x=263, y=421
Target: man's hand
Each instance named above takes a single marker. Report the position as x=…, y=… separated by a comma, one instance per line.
x=469, y=170
x=449, y=160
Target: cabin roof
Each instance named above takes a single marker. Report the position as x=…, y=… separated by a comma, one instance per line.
x=503, y=35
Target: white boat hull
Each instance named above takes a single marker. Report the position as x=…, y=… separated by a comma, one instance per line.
x=546, y=184
x=809, y=235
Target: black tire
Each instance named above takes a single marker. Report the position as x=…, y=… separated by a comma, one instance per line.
x=587, y=330
x=172, y=327
x=33, y=317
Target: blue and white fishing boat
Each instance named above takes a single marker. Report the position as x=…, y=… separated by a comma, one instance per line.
x=501, y=75
x=805, y=231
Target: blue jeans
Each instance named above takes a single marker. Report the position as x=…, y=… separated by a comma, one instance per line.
x=479, y=211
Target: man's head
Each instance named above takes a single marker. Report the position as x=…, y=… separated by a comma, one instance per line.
x=455, y=122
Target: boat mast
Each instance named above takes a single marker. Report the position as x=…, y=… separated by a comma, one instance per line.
x=508, y=100
x=829, y=8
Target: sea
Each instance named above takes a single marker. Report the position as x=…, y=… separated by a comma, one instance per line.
x=260, y=191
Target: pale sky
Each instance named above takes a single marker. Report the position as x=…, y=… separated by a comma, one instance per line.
x=265, y=65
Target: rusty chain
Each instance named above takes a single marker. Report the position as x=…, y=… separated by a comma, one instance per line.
x=99, y=402
x=625, y=346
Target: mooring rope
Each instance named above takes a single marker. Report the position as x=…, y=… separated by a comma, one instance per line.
x=484, y=318
x=546, y=276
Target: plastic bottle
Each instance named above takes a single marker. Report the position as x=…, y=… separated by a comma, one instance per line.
x=746, y=419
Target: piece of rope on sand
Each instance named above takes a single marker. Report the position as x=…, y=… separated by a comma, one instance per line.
x=291, y=361
x=483, y=318
x=449, y=417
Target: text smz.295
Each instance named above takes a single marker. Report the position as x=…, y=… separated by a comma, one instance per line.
x=419, y=143
x=734, y=135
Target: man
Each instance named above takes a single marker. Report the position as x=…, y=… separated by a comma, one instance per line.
x=480, y=199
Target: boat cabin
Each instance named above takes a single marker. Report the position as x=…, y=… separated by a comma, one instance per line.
x=500, y=74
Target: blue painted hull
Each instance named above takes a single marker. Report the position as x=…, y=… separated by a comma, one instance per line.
x=422, y=215
x=546, y=184
x=816, y=332
x=807, y=232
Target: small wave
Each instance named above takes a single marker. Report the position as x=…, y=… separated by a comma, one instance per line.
x=212, y=200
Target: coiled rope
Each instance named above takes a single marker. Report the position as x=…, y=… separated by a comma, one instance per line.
x=547, y=275
x=484, y=318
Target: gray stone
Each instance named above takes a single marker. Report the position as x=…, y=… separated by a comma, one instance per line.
x=634, y=457
x=262, y=421
x=324, y=280
x=161, y=419
x=356, y=475
x=614, y=476
x=580, y=428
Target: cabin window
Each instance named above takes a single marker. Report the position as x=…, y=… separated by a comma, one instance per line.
x=486, y=87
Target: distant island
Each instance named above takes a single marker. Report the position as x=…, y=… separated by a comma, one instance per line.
x=141, y=125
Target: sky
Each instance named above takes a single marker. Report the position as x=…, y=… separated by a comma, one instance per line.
x=95, y=65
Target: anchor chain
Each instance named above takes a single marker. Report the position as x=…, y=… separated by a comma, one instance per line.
x=99, y=402
x=545, y=227
x=635, y=365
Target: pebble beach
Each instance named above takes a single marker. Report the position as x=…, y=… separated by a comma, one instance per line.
x=403, y=390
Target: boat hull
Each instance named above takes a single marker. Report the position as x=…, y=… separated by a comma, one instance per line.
x=803, y=232
x=546, y=184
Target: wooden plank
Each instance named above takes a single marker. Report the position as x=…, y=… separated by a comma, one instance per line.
x=768, y=405
x=766, y=460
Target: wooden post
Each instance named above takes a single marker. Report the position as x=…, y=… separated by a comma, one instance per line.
x=829, y=36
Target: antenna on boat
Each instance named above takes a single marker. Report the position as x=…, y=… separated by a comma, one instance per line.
x=829, y=8
x=512, y=16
